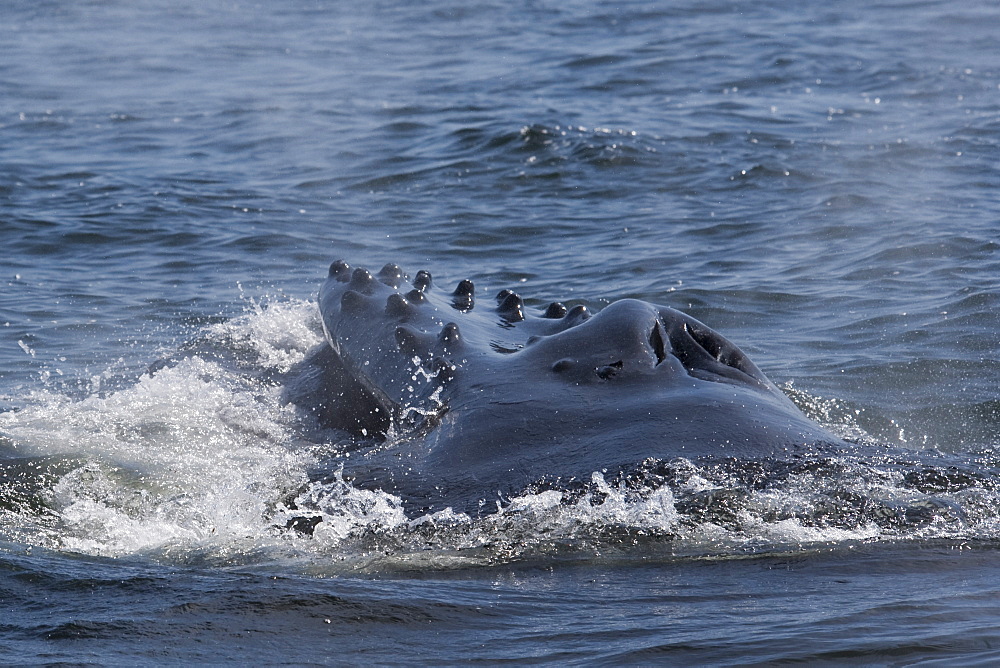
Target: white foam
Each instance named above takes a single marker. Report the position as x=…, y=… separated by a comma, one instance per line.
x=197, y=461
x=280, y=333
x=189, y=452
x=196, y=452
x=347, y=511
x=792, y=531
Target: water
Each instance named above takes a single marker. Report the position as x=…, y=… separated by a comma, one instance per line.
x=820, y=184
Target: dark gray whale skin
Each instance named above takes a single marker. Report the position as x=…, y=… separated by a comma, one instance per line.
x=462, y=404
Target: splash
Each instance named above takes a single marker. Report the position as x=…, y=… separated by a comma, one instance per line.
x=202, y=461
x=195, y=452
x=277, y=335
x=188, y=452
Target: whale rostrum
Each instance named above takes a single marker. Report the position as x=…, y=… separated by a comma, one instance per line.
x=471, y=402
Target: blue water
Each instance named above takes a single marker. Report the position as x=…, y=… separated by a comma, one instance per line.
x=819, y=183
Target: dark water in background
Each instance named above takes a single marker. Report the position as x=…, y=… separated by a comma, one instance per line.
x=820, y=184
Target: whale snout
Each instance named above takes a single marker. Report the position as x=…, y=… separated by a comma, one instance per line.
x=632, y=338
x=625, y=338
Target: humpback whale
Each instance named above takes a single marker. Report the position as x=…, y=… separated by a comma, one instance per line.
x=459, y=403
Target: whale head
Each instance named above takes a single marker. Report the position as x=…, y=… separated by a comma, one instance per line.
x=489, y=397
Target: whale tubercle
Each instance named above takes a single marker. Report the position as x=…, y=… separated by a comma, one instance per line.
x=392, y=275
x=396, y=305
x=555, y=310
x=512, y=307
x=340, y=270
x=422, y=281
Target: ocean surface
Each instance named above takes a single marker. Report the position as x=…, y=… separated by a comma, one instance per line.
x=820, y=182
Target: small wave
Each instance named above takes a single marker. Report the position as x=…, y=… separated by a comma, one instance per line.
x=595, y=146
x=533, y=150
